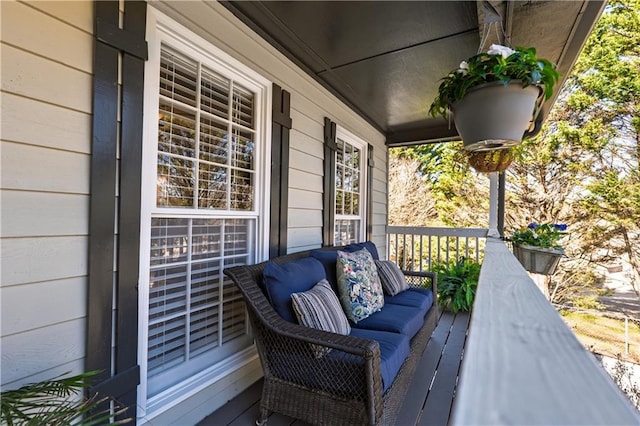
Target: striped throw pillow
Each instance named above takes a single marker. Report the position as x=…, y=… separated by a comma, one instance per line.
x=320, y=308
x=392, y=278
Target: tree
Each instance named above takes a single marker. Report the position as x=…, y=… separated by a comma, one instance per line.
x=582, y=168
x=459, y=196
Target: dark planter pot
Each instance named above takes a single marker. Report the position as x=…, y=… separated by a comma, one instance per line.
x=538, y=260
x=494, y=116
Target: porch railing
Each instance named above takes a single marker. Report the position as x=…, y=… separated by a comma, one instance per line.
x=522, y=364
x=415, y=248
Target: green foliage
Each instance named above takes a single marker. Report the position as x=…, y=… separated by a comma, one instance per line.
x=587, y=302
x=457, y=283
x=582, y=168
x=522, y=64
x=546, y=235
x=450, y=182
x=56, y=402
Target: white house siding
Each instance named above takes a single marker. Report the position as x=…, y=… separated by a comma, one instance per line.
x=45, y=145
x=310, y=103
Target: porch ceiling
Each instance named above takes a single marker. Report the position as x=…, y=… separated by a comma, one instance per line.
x=385, y=58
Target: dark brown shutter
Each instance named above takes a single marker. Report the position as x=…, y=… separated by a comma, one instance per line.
x=280, y=130
x=329, y=184
x=114, y=222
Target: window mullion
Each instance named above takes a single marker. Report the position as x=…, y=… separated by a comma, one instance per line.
x=223, y=234
x=196, y=189
x=231, y=149
x=187, y=340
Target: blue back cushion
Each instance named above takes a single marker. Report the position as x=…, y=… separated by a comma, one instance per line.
x=329, y=257
x=281, y=281
x=368, y=245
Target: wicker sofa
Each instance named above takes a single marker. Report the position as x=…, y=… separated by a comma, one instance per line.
x=363, y=377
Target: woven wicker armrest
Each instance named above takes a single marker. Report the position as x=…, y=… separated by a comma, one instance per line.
x=425, y=279
x=350, y=344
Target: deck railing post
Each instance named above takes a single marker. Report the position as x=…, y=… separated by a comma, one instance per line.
x=626, y=336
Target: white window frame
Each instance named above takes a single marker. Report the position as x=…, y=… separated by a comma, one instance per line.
x=362, y=145
x=163, y=30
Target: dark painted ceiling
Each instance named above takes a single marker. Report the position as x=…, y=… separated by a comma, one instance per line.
x=385, y=58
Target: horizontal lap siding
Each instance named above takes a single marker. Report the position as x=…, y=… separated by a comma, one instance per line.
x=46, y=145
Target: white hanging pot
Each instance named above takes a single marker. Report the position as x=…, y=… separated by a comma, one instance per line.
x=494, y=116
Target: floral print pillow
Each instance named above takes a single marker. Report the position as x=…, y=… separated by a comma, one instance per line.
x=359, y=285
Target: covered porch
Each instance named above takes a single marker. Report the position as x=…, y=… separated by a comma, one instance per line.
x=513, y=360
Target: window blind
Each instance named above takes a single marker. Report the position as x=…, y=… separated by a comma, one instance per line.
x=348, y=193
x=206, y=168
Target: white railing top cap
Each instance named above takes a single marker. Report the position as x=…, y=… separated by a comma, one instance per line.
x=523, y=365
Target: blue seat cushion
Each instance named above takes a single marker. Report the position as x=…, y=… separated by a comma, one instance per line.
x=280, y=281
x=405, y=320
x=329, y=256
x=394, y=349
x=417, y=297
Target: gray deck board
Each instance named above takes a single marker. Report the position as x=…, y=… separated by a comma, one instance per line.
x=234, y=408
x=439, y=400
x=429, y=397
x=411, y=409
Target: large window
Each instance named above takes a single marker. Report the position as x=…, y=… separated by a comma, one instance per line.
x=350, y=189
x=205, y=159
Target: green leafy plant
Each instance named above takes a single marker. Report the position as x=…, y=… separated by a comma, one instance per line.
x=457, y=283
x=499, y=63
x=58, y=401
x=546, y=235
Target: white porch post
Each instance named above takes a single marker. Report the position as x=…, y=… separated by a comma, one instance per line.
x=493, y=205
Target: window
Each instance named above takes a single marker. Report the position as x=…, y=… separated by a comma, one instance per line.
x=204, y=156
x=350, y=190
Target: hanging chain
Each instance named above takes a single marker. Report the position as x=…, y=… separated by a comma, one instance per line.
x=492, y=19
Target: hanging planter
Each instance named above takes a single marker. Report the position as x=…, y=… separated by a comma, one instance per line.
x=488, y=88
x=538, y=260
x=536, y=247
x=494, y=116
x=497, y=160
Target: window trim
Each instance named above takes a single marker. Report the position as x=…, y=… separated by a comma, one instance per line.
x=358, y=142
x=162, y=29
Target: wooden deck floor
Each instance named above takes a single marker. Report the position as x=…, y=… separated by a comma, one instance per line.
x=429, y=398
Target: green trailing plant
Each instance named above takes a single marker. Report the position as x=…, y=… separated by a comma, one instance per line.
x=499, y=63
x=59, y=401
x=457, y=283
x=547, y=235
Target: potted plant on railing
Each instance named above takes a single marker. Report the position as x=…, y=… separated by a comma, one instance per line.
x=495, y=96
x=537, y=247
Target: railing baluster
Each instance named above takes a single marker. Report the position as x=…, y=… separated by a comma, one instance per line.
x=466, y=247
x=413, y=253
x=421, y=255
